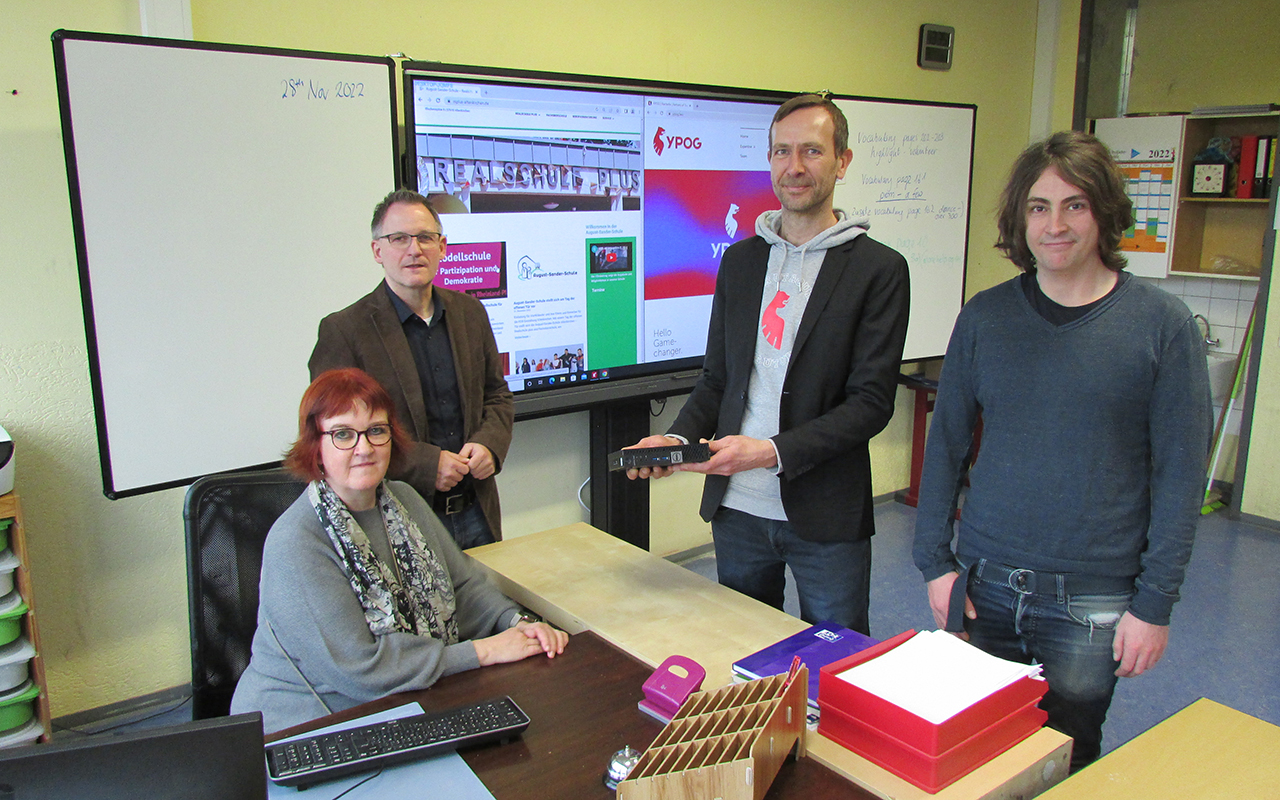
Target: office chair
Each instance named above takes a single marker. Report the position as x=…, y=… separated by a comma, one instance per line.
x=227, y=517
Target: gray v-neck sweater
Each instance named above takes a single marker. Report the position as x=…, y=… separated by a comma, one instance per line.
x=1093, y=444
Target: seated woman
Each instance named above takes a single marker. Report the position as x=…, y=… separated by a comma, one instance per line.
x=363, y=593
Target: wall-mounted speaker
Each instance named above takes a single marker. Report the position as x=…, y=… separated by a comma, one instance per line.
x=936, y=44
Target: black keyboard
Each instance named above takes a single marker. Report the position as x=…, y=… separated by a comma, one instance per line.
x=304, y=762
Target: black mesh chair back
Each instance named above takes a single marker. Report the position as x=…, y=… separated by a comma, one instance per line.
x=227, y=518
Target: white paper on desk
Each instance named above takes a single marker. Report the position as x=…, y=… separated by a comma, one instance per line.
x=934, y=675
x=437, y=776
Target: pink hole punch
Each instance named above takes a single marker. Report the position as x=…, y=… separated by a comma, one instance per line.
x=670, y=685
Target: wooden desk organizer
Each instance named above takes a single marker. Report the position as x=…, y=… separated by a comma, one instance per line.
x=728, y=743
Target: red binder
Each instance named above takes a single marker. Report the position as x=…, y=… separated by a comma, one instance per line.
x=1248, y=165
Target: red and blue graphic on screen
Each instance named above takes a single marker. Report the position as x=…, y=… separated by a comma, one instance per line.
x=689, y=218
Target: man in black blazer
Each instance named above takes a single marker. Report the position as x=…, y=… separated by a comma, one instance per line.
x=803, y=351
x=434, y=352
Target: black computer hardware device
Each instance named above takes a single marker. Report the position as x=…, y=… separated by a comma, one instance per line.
x=664, y=456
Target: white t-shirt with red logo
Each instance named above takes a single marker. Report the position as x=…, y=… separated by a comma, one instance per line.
x=788, y=282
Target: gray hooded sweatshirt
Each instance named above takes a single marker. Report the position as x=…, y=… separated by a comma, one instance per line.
x=788, y=282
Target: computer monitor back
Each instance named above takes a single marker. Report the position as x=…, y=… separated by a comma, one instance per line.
x=214, y=759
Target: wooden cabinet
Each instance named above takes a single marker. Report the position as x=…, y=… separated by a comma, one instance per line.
x=11, y=511
x=1220, y=235
x=1206, y=236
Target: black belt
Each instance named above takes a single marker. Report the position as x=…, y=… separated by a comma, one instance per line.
x=455, y=503
x=1028, y=581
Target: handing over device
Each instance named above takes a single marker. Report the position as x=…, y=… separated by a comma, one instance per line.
x=663, y=456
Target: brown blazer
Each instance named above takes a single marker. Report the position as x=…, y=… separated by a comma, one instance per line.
x=367, y=334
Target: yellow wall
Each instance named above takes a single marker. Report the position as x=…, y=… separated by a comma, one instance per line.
x=110, y=576
x=1189, y=55
x=110, y=580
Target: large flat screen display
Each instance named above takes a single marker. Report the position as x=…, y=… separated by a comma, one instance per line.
x=589, y=217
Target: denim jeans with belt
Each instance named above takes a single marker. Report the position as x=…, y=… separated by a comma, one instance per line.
x=1065, y=622
x=833, y=579
x=469, y=528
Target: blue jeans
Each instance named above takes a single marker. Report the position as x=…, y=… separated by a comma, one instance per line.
x=469, y=528
x=1064, y=622
x=833, y=579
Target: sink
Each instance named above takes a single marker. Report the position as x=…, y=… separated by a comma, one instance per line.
x=1222, y=373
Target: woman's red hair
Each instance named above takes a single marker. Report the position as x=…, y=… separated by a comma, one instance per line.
x=335, y=392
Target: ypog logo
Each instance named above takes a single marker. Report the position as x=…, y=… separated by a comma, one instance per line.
x=730, y=221
x=663, y=142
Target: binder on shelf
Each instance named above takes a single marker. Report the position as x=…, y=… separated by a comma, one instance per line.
x=816, y=646
x=1271, y=166
x=1248, y=165
x=1262, y=170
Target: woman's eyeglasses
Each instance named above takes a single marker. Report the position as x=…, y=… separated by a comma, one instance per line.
x=347, y=438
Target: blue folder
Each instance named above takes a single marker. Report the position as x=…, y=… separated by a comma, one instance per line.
x=817, y=646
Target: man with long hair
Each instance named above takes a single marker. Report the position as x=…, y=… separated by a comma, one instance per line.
x=1093, y=392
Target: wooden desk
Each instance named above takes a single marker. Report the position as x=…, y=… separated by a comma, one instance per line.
x=582, y=707
x=580, y=578
x=1206, y=751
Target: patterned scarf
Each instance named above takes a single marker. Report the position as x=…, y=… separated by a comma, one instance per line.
x=424, y=605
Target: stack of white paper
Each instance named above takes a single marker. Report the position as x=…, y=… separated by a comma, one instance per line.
x=934, y=675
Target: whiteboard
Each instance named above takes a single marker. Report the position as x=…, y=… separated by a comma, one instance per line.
x=910, y=175
x=220, y=197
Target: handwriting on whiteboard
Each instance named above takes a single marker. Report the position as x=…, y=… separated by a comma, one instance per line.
x=885, y=148
x=931, y=211
x=895, y=182
x=893, y=188
x=919, y=251
x=307, y=89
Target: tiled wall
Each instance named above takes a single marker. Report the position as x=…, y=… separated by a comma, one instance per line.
x=1225, y=302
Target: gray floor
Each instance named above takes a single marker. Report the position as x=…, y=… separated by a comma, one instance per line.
x=1224, y=638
